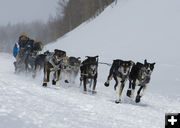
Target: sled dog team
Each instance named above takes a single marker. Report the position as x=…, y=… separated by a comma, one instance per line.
x=28, y=59
x=138, y=74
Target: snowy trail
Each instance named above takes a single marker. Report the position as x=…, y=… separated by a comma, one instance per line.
x=25, y=104
x=131, y=30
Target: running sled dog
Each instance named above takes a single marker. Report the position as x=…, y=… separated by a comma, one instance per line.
x=120, y=72
x=71, y=69
x=54, y=63
x=140, y=75
x=89, y=72
x=39, y=62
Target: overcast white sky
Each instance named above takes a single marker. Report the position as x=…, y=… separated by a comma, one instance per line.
x=15, y=11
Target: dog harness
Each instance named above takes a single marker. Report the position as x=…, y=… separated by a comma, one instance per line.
x=55, y=66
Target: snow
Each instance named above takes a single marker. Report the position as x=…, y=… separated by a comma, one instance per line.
x=26, y=104
x=131, y=30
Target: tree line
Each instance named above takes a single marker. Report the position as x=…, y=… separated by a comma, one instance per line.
x=70, y=14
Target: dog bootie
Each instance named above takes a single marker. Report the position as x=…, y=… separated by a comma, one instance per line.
x=53, y=82
x=94, y=92
x=106, y=84
x=128, y=93
x=138, y=98
x=44, y=85
x=117, y=101
x=66, y=81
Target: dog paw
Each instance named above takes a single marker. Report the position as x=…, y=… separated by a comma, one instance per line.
x=85, y=92
x=33, y=76
x=128, y=93
x=106, y=84
x=117, y=101
x=138, y=98
x=53, y=82
x=94, y=92
x=44, y=85
x=66, y=81
x=58, y=83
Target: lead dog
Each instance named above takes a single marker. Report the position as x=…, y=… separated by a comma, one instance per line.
x=53, y=64
x=120, y=72
x=140, y=75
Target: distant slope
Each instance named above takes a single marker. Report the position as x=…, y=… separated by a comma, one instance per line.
x=133, y=29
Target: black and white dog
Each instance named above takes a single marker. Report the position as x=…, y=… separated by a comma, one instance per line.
x=140, y=75
x=120, y=72
x=89, y=72
x=71, y=68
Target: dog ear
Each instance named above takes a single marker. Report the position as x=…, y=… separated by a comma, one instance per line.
x=79, y=58
x=55, y=51
x=145, y=61
x=132, y=63
x=154, y=63
x=46, y=52
x=97, y=58
x=120, y=62
x=64, y=54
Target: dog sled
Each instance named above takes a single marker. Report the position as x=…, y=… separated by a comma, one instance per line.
x=26, y=55
x=25, y=63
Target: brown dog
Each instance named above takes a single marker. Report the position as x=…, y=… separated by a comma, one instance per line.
x=53, y=64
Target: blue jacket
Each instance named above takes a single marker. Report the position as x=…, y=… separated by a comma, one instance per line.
x=15, y=50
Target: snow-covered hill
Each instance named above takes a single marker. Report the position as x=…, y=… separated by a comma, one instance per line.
x=131, y=30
